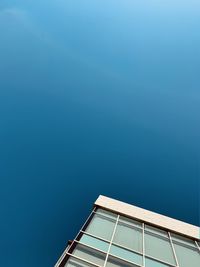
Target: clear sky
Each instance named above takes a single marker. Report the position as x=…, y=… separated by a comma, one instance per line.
x=96, y=97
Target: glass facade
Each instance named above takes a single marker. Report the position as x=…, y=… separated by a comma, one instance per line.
x=111, y=240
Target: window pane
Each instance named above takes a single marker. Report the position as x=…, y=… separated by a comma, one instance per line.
x=112, y=262
x=183, y=240
x=77, y=263
x=128, y=237
x=156, y=231
x=126, y=254
x=153, y=263
x=130, y=221
x=94, y=242
x=159, y=248
x=187, y=257
x=89, y=254
x=101, y=227
x=107, y=213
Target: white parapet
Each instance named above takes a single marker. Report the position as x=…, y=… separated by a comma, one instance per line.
x=148, y=217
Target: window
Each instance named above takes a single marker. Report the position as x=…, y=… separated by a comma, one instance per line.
x=126, y=254
x=183, y=240
x=113, y=262
x=153, y=263
x=89, y=254
x=130, y=222
x=129, y=237
x=94, y=242
x=107, y=213
x=158, y=247
x=77, y=263
x=186, y=256
x=101, y=227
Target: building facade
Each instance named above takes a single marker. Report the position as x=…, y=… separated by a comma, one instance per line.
x=117, y=234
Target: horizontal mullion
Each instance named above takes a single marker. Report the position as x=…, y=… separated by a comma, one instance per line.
x=81, y=259
x=122, y=259
x=126, y=248
x=159, y=260
x=86, y=245
x=105, y=216
x=97, y=237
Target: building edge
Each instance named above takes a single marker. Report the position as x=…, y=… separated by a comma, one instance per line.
x=153, y=218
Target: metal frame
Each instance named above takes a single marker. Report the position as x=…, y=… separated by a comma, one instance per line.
x=174, y=252
x=111, y=241
x=197, y=245
x=143, y=246
x=67, y=254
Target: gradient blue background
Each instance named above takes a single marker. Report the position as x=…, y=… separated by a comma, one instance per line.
x=96, y=97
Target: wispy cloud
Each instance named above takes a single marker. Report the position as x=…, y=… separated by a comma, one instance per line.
x=15, y=13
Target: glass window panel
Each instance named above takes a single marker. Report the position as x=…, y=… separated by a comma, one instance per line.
x=128, y=237
x=126, y=254
x=101, y=227
x=153, y=263
x=156, y=230
x=94, y=242
x=89, y=254
x=183, y=240
x=112, y=262
x=130, y=221
x=187, y=257
x=159, y=248
x=107, y=213
x=72, y=262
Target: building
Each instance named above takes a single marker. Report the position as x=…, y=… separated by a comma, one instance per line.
x=117, y=234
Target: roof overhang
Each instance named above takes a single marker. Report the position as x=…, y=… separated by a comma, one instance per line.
x=150, y=217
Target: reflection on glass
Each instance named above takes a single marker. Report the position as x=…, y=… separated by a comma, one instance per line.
x=183, y=240
x=126, y=254
x=113, y=262
x=160, y=248
x=101, y=227
x=89, y=254
x=153, y=263
x=107, y=213
x=187, y=257
x=128, y=237
x=94, y=242
x=72, y=262
x=130, y=222
x=156, y=231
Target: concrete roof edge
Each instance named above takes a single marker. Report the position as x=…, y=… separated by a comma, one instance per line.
x=150, y=217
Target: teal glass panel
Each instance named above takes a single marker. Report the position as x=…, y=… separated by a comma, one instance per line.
x=89, y=254
x=107, y=213
x=159, y=248
x=113, y=262
x=156, y=231
x=126, y=254
x=101, y=227
x=72, y=262
x=187, y=257
x=183, y=240
x=94, y=242
x=130, y=222
x=153, y=263
x=129, y=237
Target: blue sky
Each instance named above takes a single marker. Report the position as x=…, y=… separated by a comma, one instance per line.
x=96, y=97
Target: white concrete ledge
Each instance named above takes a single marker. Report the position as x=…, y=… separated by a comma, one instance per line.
x=149, y=217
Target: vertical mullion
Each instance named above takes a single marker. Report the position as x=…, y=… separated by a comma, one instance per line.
x=174, y=252
x=197, y=245
x=143, y=246
x=114, y=230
